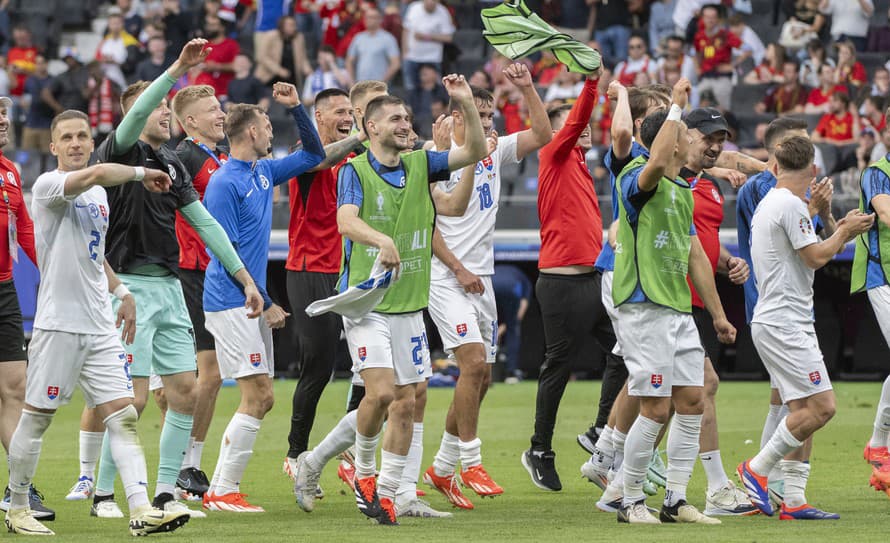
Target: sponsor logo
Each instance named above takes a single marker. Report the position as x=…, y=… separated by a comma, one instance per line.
x=815, y=377
x=806, y=227
x=362, y=353
x=380, y=201
x=172, y=171
x=255, y=359
x=656, y=380
x=210, y=171
x=11, y=177
x=264, y=181
x=52, y=392
x=462, y=329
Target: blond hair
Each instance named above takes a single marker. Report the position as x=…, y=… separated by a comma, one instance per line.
x=187, y=97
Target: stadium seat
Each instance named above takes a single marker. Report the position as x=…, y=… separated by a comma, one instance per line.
x=830, y=155
x=471, y=44
x=744, y=97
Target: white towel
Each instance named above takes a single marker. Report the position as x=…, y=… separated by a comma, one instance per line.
x=356, y=302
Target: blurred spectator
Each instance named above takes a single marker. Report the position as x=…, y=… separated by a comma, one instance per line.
x=266, y=38
x=566, y=86
x=637, y=61
x=132, y=17
x=155, y=63
x=331, y=13
x=545, y=69
x=849, y=20
x=286, y=55
x=840, y=125
x=751, y=42
x=218, y=69
x=812, y=65
x=374, y=52
x=873, y=113
x=20, y=59
x=426, y=28
x=421, y=98
x=4, y=77
x=868, y=141
x=351, y=23
x=685, y=11
x=510, y=104
x=481, y=79
x=661, y=24
x=308, y=24
x=880, y=85
x=245, y=88
x=103, y=101
x=804, y=23
x=495, y=67
x=787, y=97
x=178, y=24
x=881, y=147
x=675, y=55
x=713, y=45
x=849, y=70
x=817, y=101
x=770, y=70
x=611, y=28
x=36, y=135
x=512, y=292
x=326, y=76
x=68, y=90
x=118, y=51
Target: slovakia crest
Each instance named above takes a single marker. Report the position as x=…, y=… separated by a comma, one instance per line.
x=362, y=353
x=488, y=163
x=255, y=359
x=52, y=392
x=815, y=377
x=462, y=330
x=656, y=380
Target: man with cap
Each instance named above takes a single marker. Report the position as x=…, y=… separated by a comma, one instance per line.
x=708, y=131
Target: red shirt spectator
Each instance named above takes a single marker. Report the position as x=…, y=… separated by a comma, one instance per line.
x=331, y=13
x=836, y=126
x=852, y=75
x=820, y=97
x=20, y=59
x=568, y=208
x=218, y=70
x=714, y=47
x=12, y=205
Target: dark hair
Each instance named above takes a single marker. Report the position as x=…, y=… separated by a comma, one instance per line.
x=555, y=112
x=377, y=104
x=327, y=94
x=675, y=37
x=67, y=115
x=778, y=128
x=651, y=125
x=641, y=99
x=479, y=95
x=488, y=80
x=843, y=97
x=326, y=49
x=238, y=117
x=792, y=60
x=795, y=153
x=878, y=101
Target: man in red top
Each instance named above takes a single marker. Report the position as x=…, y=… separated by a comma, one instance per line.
x=313, y=264
x=817, y=101
x=840, y=125
x=20, y=58
x=708, y=131
x=568, y=287
x=17, y=231
x=218, y=68
x=788, y=97
x=713, y=47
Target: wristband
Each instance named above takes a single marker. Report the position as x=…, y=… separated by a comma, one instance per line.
x=675, y=113
x=121, y=291
x=140, y=173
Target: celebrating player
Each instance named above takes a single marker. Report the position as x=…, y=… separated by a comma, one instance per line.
x=75, y=342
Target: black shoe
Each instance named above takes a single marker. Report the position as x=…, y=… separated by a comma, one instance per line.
x=38, y=510
x=540, y=465
x=366, y=497
x=192, y=482
x=161, y=500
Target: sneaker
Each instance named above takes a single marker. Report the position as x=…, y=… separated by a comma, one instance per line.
x=876, y=456
x=106, y=507
x=387, y=515
x=657, y=473
x=587, y=442
x=683, y=512
x=305, y=483
x=449, y=488
x=289, y=467
x=878, y=484
x=346, y=473
x=366, y=497
x=729, y=500
x=192, y=483
x=593, y=472
x=805, y=512
x=319, y=493
x=482, y=484
x=38, y=510
x=82, y=490
x=233, y=502
x=420, y=493
x=541, y=466
x=166, y=502
x=20, y=521
x=420, y=508
x=636, y=513
x=148, y=520
x=610, y=501
x=756, y=487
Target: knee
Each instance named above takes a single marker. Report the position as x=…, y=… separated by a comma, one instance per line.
x=656, y=409
x=402, y=410
x=474, y=369
x=824, y=411
x=267, y=402
x=378, y=400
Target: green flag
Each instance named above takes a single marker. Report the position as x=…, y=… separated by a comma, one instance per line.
x=516, y=32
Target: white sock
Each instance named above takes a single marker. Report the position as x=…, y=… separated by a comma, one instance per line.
x=240, y=435
x=714, y=471
x=637, y=453
x=682, y=449
x=391, y=468
x=189, y=449
x=772, y=421
x=617, y=482
x=448, y=455
x=779, y=445
x=470, y=453
x=408, y=485
x=604, y=443
x=796, y=474
x=128, y=456
x=881, y=432
x=618, y=443
x=90, y=450
x=24, y=452
x=338, y=440
x=197, y=452
x=366, y=455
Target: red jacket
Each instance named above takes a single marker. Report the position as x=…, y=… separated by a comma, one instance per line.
x=11, y=191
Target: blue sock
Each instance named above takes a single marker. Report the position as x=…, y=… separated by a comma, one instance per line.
x=107, y=469
x=174, y=442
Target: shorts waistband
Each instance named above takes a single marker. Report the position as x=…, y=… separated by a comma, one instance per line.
x=570, y=277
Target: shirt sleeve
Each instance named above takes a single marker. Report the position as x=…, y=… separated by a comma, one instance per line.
x=185, y=191
x=507, y=149
x=349, y=188
x=353, y=46
x=301, y=160
x=821, y=128
x=437, y=164
x=874, y=182
x=798, y=226
x=392, y=47
x=634, y=199
x=49, y=190
x=578, y=118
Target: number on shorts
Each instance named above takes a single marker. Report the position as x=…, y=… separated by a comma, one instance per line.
x=97, y=237
x=417, y=352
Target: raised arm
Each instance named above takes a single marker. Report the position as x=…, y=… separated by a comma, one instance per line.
x=311, y=154
x=665, y=143
x=110, y=175
x=577, y=121
x=734, y=160
x=622, y=122
x=337, y=151
x=474, y=147
x=540, y=133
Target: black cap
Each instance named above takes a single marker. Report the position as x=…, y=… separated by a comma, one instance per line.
x=707, y=120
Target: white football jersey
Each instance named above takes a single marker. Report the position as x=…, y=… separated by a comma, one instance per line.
x=471, y=237
x=69, y=234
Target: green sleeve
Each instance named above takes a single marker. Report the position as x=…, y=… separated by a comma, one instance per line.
x=127, y=134
x=213, y=235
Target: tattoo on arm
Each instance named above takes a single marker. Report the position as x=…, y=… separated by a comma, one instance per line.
x=337, y=151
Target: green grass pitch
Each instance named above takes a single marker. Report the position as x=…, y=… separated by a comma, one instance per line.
x=524, y=513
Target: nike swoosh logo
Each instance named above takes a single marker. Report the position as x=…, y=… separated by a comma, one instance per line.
x=715, y=116
x=538, y=473
x=705, y=457
x=210, y=171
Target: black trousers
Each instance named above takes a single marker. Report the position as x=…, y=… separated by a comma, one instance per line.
x=572, y=308
x=317, y=338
